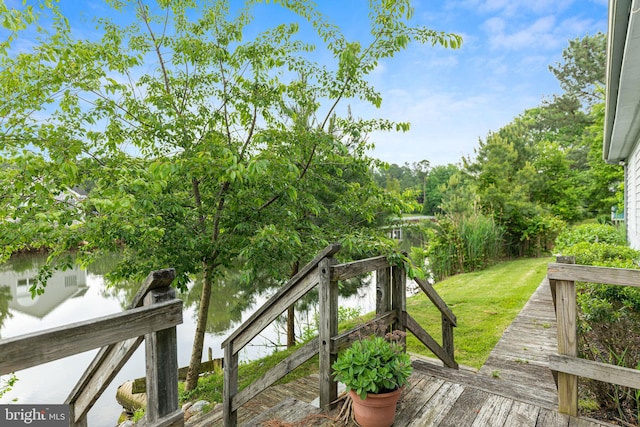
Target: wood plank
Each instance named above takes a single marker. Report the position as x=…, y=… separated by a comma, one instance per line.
x=155, y=280
x=567, y=345
x=284, y=367
x=344, y=339
x=97, y=377
x=399, y=298
x=429, y=342
x=358, y=268
x=547, y=418
x=110, y=359
x=466, y=408
x=436, y=300
x=308, y=270
x=41, y=347
x=161, y=350
x=588, y=273
x=230, y=386
x=328, y=328
x=276, y=305
x=412, y=401
x=595, y=370
x=383, y=290
x=289, y=410
x=438, y=406
x=174, y=419
x=522, y=415
x=516, y=391
x=494, y=412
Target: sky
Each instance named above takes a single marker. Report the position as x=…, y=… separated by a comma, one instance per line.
x=452, y=98
x=455, y=97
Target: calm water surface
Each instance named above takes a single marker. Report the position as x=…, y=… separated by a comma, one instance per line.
x=76, y=295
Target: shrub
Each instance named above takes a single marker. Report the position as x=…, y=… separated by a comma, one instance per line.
x=589, y=233
x=608, y=315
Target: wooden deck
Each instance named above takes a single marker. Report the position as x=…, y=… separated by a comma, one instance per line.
x=513, y=389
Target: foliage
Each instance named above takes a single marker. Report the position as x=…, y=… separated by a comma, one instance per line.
x=434, y=188
x=138, y=415
x=485, y=303
x=605, y=182
x=345, y=314
x=198, y=147
x=210, y=386
x=589, y=233
x=608, y=315
x=582, y=71
x=374, y=364
x=545, y=168
x=463, y=244
x=7, y=384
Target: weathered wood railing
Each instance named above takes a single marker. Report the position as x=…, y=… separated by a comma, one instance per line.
x=152, y=316
x=323, y=272
x=566, y=365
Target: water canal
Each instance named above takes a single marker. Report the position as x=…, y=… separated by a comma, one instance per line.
x=76, y=295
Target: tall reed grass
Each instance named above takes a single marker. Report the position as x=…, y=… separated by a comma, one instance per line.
x=464, y=244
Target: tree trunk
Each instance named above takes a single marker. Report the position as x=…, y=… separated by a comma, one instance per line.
x=201, y=326
x=291, y=321
x=291, y=324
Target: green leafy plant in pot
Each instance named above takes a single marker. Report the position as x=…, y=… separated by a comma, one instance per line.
x=374, y=369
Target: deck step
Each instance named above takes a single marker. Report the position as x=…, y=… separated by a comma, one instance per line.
x=290, y=410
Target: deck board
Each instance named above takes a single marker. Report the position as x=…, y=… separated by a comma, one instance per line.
x=514, y=388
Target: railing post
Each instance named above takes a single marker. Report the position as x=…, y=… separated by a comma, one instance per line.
x=566, y=315
x=230, y=386
x=447, y=336
x=399, y=297
x=162, y=367
x=328, y=290
x=81, y=422
x=383, y=290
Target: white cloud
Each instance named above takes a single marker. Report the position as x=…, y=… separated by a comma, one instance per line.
x=511, y=8
x=539, y=34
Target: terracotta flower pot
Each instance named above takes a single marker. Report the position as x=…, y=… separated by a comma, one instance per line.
x=377, y=410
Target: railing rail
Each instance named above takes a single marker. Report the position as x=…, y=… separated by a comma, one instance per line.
x=154, y=315
x=566, y=365
x=324, y=273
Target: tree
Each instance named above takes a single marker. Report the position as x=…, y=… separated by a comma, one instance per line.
x=582, y=70
x=604, y=185
x=185, y=133
x=435, y=184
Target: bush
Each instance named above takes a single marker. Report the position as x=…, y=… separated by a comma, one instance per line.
x=589, y=233
x=604, y=255
x=608, y=315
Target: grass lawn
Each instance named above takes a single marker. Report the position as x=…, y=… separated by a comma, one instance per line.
x=484, y=302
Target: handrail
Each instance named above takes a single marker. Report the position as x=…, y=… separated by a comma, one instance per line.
x=324, y=273
x=153, y=315
x=566, y=365
x=28, y=350
x=268, y=313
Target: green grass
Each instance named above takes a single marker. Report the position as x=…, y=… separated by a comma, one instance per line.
x=484, y=303
x=210, y=386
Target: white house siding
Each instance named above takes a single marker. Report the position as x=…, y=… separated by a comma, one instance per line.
x=632, y=190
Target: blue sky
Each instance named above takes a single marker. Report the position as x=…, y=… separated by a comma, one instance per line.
x=452, y=97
